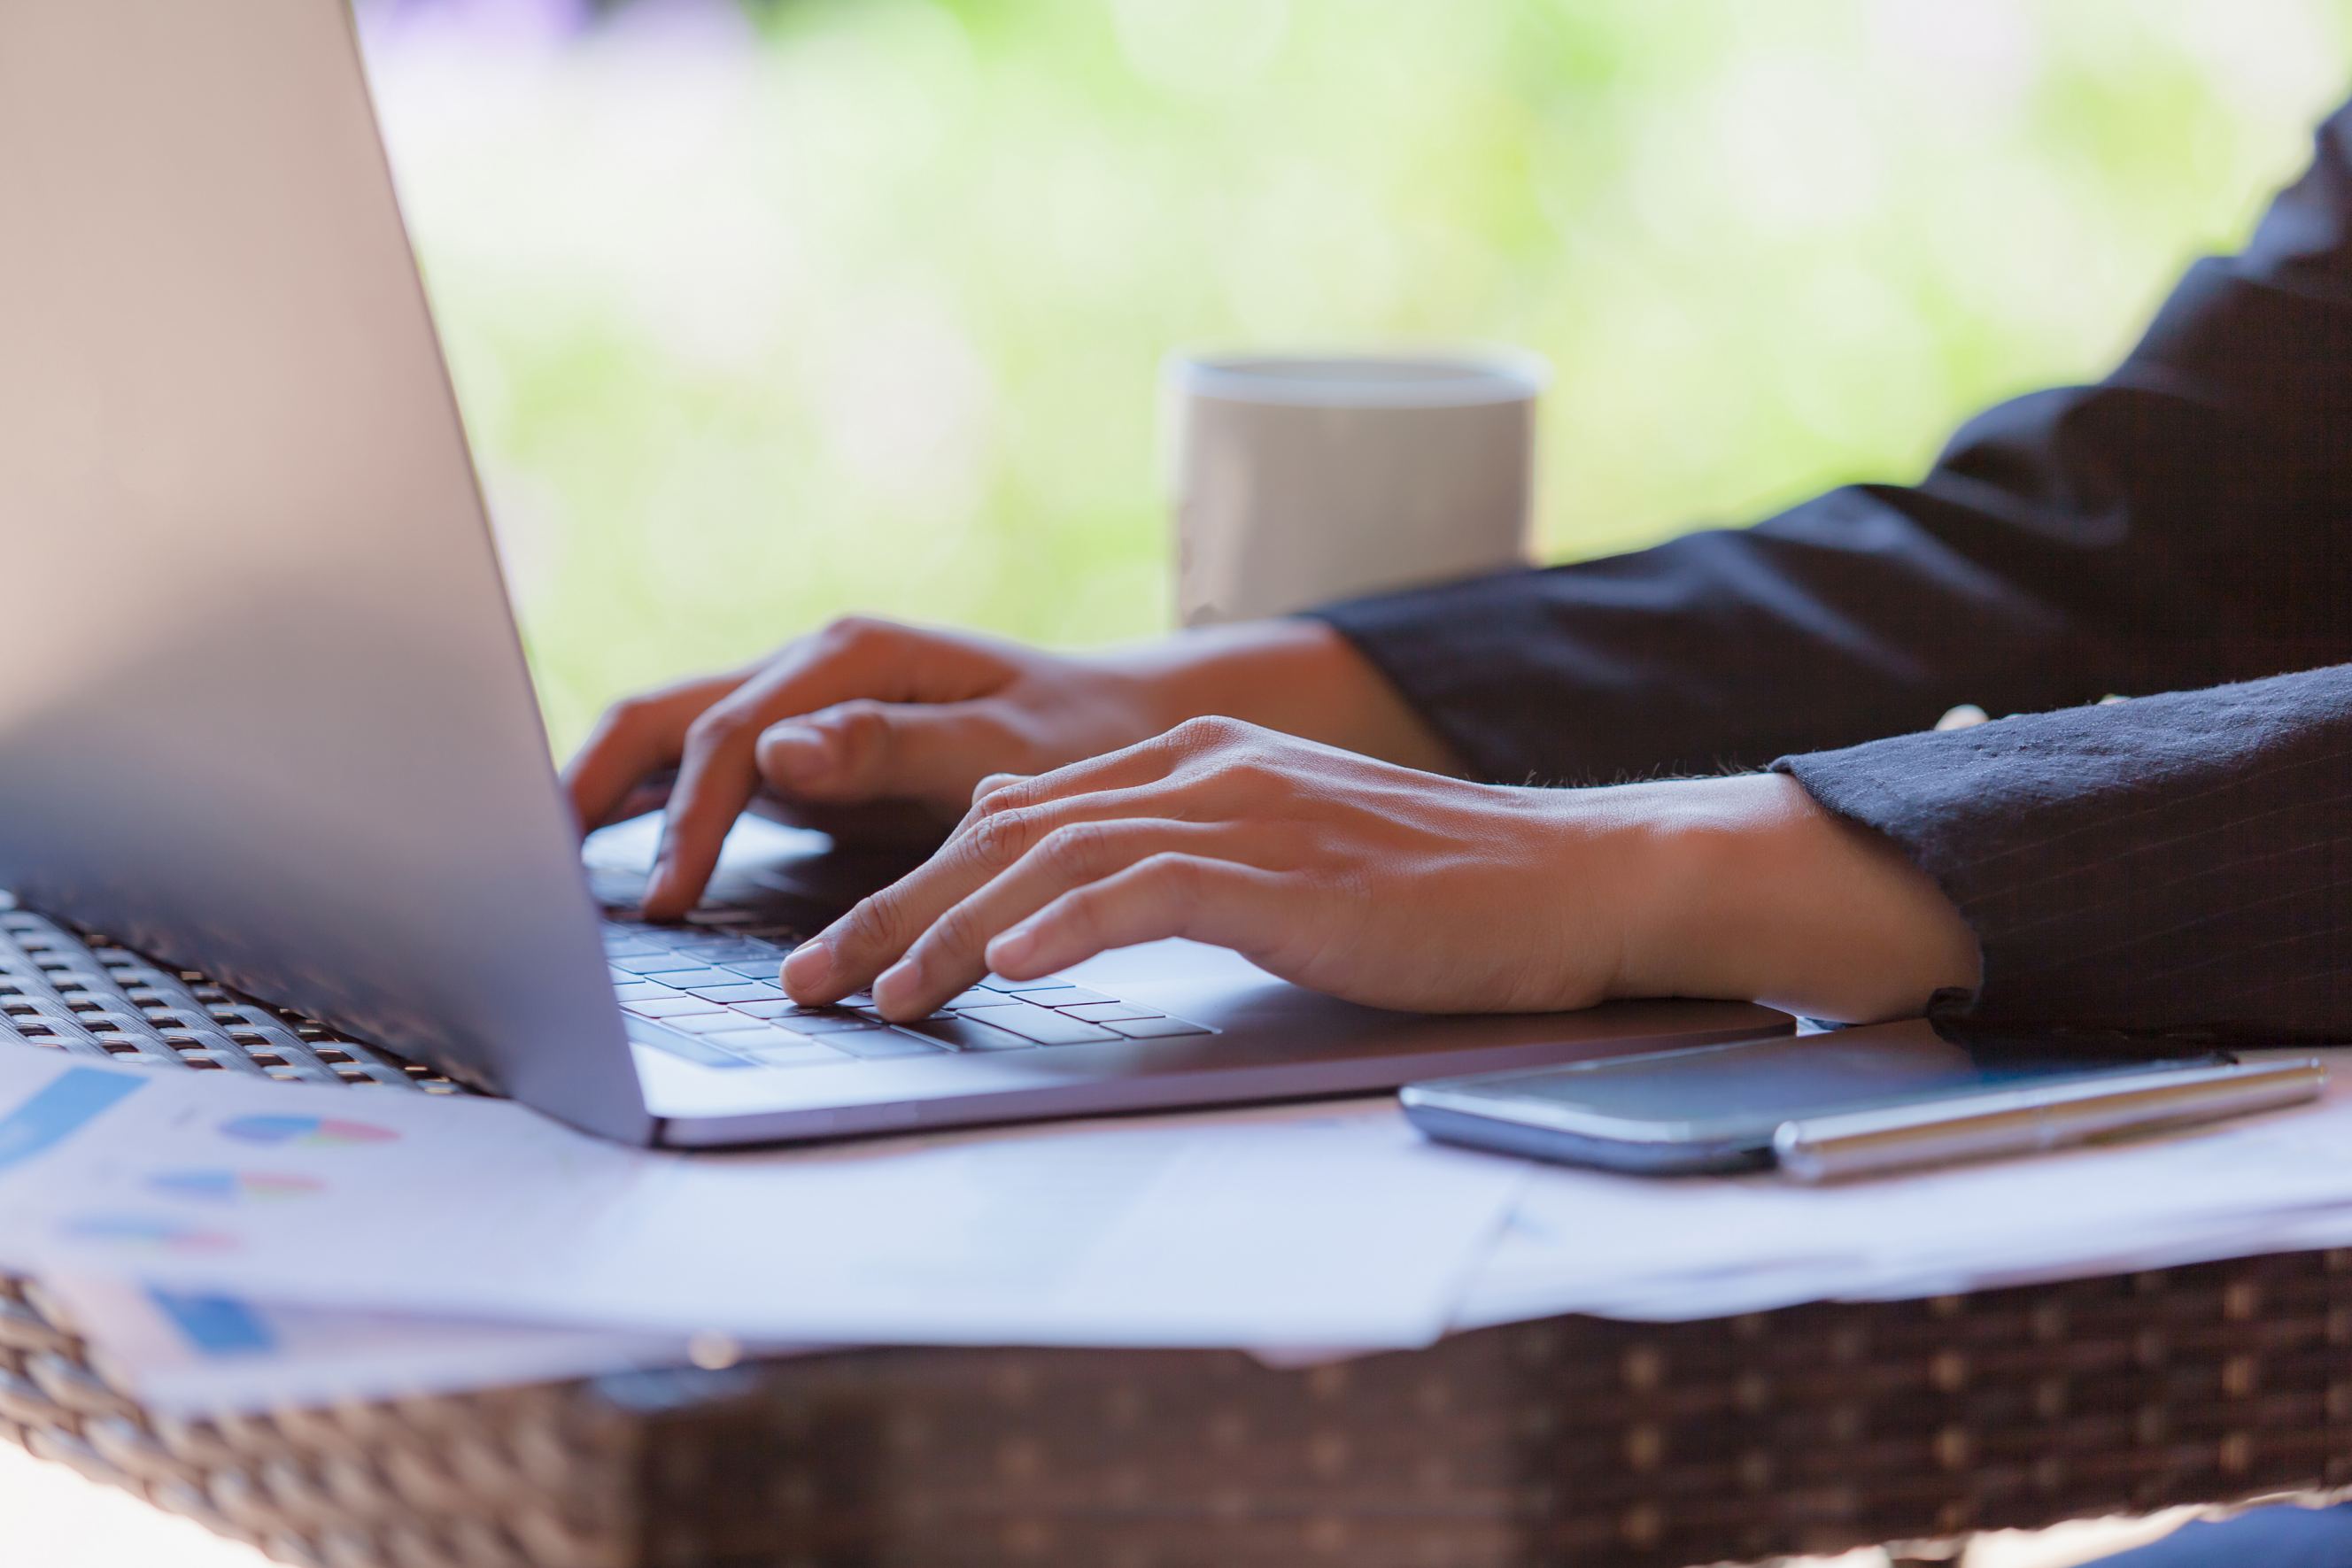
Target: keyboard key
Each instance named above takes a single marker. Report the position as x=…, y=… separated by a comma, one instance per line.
x=796, y=1053
x=720, y=949
x=882, y=1043
x=1156, y=1029
x=765, y=1009
x=978, y=997
x=651, y=962
x=828, y=1023
x=749, y=1038
x=740, y=991
x=1050, y=982
x=964, y=1033
x=645, y=1032
x=689, y=980
x=631, y=947
x=669, y=1007
x=756, y=969
x=1103, y=1013
x=1042, y=1025
x=1061, y=997
x=640, y=990
x=712, y=1023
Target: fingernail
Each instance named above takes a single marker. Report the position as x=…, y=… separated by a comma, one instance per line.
x=810, y=966
x=1012, y=947
x=797, y=751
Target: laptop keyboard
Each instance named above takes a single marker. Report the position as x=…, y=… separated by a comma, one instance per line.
x=709, y=993
x=705, y=991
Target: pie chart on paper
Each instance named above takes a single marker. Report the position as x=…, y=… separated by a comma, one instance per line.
x=305, y=1131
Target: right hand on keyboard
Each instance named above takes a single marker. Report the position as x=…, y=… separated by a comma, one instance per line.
x=866, y=711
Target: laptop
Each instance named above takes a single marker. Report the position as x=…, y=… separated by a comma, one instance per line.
x=266, y=719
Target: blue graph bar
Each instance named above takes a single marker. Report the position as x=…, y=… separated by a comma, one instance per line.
x=216, y=1325
x=62, y=1107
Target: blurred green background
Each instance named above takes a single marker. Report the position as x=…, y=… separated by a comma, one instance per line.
x=762, y=313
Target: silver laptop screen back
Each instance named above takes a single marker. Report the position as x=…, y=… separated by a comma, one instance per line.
x=263, y=709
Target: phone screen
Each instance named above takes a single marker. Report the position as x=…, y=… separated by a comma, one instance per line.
x=1739, y=1093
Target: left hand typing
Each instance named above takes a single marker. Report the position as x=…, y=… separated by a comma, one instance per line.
x=1403, y=889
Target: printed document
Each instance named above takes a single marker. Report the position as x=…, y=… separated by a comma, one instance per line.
x=1333, y=1225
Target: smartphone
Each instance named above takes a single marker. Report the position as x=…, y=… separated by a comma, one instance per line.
x=1717, y=1107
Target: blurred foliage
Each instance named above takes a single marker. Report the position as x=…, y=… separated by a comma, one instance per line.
x=758, y=316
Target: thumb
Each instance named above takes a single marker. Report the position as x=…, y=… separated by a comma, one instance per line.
x=866, y=750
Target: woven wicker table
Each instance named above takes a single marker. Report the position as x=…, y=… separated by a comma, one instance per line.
x=1571, y=1441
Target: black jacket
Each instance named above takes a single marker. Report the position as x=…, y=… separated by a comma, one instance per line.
x=2174, y=864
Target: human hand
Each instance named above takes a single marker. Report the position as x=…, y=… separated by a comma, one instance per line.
x=1395, y=888
x=866, y=711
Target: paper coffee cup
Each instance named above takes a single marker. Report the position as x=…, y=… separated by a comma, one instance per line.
x=1302, y=479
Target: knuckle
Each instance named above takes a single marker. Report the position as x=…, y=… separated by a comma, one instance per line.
x=1207, y=731
x=848, y=633
x=1014, y=792
x=1074, y=850
x=955, y=932
x=1081, y=913
x=714, y=728
x=864, y=727
x=1176, y=878
x=992, y=786
x=1246, y=767
x=628, y=713
x=631, y=716
x=876, y=920
x=1000, y=834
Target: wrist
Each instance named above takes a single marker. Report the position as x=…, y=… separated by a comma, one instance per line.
x=1746, y=888
x=1296, y=676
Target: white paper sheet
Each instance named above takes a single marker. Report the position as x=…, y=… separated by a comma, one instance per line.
x=1331, y=1226
x=201, y=1353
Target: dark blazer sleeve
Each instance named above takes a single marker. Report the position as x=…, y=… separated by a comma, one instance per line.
x=2180, y=524
x=2173, y=865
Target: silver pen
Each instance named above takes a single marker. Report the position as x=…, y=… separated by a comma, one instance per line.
x=2023, y=1121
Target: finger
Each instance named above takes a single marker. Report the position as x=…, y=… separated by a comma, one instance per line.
x=650, y=796
x=1001, y=827
x=877, y=932
x=1131, y=768
x=1220, y=901
x=993, y=783
x=866, y=750
x=951, y=953
x=635, y=737
x=717, y=764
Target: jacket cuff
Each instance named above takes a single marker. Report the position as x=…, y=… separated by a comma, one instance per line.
x=2101, y=856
